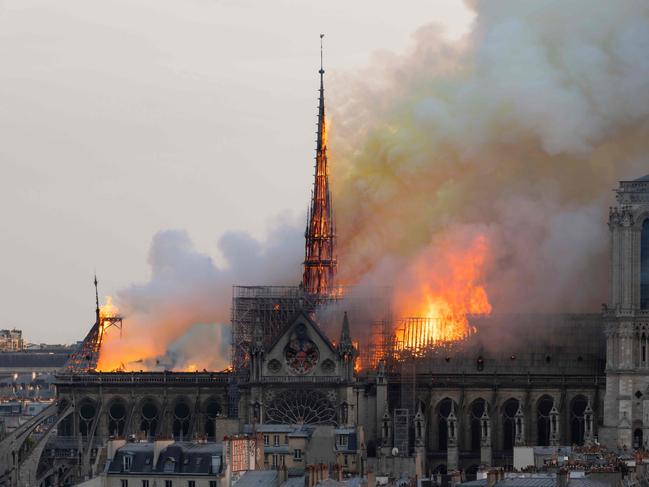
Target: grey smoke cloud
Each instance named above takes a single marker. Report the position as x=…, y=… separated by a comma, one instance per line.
x=517, y=132
x=179, y=318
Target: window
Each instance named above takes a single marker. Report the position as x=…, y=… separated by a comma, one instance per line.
x=169, y=465
x=275, y=461
x=191, y=483
x=145, y=483
x=212, y=483
x=342, y=440
x=124, y=482
x=266, y=440
x=286, y=439
x=127, y=461
x=345, y=460
x=276, y=440
x=168, y=483
x=297, y=455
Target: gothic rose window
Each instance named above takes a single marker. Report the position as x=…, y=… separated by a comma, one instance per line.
x=300, y=352
x=300, y=406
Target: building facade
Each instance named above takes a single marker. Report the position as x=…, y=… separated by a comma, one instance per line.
x=626, y=414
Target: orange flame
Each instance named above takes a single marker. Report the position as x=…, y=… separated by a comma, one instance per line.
x=439, y=291
x=108, y=310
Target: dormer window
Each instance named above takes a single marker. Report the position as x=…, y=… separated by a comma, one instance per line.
x=127, y=461
x=169, y=465
x=342, y=441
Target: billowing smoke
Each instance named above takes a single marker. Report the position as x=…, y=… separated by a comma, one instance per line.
x=180, y=318
x=498, y=151
x=515, y=134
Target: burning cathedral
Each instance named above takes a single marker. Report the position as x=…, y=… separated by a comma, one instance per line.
x=332, y=362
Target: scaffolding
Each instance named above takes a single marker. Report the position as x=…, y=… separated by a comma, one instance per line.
x=377, y=348
x=271, y=309
x=267, y=307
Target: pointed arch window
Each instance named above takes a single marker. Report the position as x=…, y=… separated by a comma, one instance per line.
x=644, y=266
x=509, y=424
x=477, y=410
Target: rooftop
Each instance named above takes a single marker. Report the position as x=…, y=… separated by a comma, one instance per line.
x=258, y=478
x=534, y=480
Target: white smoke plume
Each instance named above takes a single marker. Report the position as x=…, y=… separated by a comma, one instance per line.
x=513, y=135
x=516, y=133
x=180, y=318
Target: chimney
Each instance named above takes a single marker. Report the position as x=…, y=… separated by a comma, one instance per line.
x=563, y=475
x=456, y=478
x=282, y=475
x=371, y=478
x=492, y=477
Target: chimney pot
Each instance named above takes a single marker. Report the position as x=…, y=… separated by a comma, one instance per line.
x=563, y=475
x=492, y=477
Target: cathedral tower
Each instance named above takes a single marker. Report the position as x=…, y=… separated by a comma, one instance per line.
x=320, y=253
x=626, y=405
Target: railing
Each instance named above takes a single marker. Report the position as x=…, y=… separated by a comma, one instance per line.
x=145, y=378
x=302, y=380
x=442, y=380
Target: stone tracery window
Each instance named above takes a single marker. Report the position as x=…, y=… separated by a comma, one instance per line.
x=509, y=425
x=212, y=411
x=577, y=419
x=477, y=409
x=87, y=413
x=149, y=418
x=301, y=406
x=444, y=409
x=182, y=415
x=116, y=419
x=544, y=406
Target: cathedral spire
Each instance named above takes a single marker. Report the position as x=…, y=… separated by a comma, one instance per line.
x=97, y=311
x=320, y=246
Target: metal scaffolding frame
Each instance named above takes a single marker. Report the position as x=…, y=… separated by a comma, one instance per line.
x=271, y=309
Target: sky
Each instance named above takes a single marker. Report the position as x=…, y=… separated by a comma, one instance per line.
x=124, y=118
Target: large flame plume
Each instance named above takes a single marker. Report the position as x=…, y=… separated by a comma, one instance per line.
x=439, y=290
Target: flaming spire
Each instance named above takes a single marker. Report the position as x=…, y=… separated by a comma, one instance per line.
x=320, y=259
x=86, y=358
